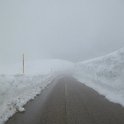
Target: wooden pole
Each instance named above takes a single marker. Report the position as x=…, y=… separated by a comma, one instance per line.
x=23, y=56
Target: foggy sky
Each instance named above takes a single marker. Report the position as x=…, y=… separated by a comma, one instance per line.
x=67, y=29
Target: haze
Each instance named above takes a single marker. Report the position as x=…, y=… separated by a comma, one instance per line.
x=73, y=30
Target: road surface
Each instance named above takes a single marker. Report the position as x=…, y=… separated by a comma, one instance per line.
x=67, y=101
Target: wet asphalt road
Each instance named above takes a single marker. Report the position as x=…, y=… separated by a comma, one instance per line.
x=67, y=101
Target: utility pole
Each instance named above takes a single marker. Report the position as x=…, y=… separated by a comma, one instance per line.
x=23, y=63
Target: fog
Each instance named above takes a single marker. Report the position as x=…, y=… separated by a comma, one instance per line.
x=73, y=30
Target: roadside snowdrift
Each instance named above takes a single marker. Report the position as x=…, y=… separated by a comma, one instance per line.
x=16, y=91
x=105, y=75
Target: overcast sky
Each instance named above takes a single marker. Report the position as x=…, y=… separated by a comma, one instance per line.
x=67, y=29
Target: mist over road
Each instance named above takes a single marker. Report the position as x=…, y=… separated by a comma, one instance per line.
x=67, y=101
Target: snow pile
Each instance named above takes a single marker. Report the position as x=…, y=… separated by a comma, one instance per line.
x=104, y=74
x=16, y=91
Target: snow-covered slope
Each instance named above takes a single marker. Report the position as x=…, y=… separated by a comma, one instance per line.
x=104, y=74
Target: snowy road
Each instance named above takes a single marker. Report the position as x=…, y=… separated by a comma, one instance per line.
x=67, y=101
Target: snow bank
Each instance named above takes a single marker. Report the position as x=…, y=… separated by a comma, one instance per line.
x=16, y=91
x=104, y=74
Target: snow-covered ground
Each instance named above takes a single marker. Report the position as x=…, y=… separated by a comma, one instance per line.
x=105, y=75
x=17, y=90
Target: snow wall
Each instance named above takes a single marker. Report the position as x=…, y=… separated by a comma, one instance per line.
x=105, y=75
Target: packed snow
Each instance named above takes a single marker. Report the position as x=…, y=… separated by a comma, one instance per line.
x=17, y=90
x=105, y=75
